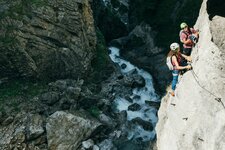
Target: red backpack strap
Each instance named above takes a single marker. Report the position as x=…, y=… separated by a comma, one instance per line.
x=171, y=58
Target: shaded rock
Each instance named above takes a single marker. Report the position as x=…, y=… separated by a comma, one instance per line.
x=105, y=105
x=115, y=86
x=127, y=97
x=35, y=127
x=88, y=101
x=145, y=124
x=134, y=80
x=122, y=117
x=23, y=128
x=66, y=131
x=73, y=92
x=134, y=107
x=136, y=97
x=95, y=147
x=120, y=77
x=106, y=120
x=116, y=134
x=49, y=98
x=153, y=104
x=62, y=85
x=66, y=103
x=88, y=144
x=107, y=145
x=109, y=18
x=123, y=66
x=8, y=120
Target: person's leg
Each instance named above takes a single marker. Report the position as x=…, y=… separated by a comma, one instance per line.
x=187, y=51
x=174, y=81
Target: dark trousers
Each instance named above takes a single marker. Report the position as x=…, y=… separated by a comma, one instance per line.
x=187, y=51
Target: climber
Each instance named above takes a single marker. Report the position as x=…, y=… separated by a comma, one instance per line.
x=176, y=56
x=188, y=36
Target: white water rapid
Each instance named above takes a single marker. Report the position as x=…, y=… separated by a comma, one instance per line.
x=139, y=96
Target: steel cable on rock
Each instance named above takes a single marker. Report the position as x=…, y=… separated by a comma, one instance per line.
x=217, y=98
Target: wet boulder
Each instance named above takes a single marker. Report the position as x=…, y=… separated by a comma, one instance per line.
x=134, y=107
x=134, y=80
x=145, y=124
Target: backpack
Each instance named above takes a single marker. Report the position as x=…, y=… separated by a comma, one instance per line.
x=169, y=62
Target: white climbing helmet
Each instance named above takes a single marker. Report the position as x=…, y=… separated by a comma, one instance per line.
x=174, y=46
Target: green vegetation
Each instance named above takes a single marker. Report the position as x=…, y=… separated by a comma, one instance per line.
x=102, y=55
x=13, y=92
x=94, y=111
x=17, y=9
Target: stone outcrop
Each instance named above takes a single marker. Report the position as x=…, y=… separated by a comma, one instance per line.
x=48, y=38
x=194, y=118
x=22, y=128
x=66, y=131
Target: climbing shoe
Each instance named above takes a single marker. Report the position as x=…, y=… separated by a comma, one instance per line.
x=172, y=94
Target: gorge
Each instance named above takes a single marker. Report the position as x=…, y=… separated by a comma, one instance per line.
x=59, y=89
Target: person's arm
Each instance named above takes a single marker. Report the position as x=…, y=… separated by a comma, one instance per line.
x=188, y=58
x=184, y=39
x=195, y=32
x=174, y=60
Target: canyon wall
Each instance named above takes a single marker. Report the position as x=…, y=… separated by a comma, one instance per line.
x=194, y=118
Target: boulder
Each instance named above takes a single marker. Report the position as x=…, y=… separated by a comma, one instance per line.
x=106, y=145
x=24, y=127
x=88, y=144
x=49, y=98
x=67, y=131
x=145, y=124
x=35, y=127
x=134, y=107
x=133, y=80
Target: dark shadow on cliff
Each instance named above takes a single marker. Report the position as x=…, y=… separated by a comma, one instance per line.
x=215, y=7
x=168, y=16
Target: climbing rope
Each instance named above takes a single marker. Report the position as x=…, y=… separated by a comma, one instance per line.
x=218, y=99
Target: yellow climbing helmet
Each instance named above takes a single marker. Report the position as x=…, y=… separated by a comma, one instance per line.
x=183, y=25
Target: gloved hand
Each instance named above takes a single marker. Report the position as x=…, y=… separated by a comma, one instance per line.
x=193, y=38
x=188, y=67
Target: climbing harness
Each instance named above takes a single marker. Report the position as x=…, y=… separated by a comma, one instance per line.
x=218, y=99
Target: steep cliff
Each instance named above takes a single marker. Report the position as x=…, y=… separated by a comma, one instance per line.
x=194, y=118
x=46, y=38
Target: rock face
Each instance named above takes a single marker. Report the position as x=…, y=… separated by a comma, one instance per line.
x=53, y=39
x=24, y=127
x=194, y=118
x=66, y=131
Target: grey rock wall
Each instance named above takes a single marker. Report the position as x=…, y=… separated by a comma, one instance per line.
x=46, y=39
x=194, y=119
